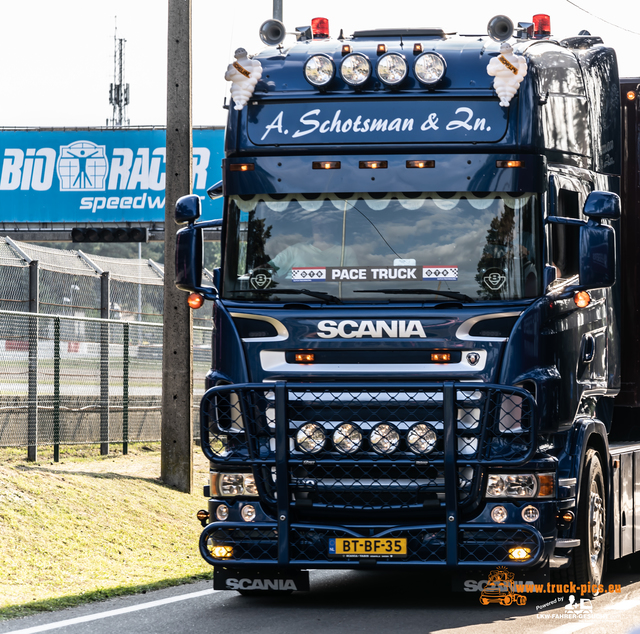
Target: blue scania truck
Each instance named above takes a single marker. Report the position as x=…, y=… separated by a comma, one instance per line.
x=425, y=344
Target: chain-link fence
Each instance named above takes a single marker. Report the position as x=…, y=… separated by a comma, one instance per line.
x=74, y=380
x=81, y=348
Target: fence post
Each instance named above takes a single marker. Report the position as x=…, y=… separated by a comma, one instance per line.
x=105, y=295
x=125, y=389
x=34, y=307
x=56, y=389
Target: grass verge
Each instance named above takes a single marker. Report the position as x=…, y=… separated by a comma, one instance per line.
x=90, y=528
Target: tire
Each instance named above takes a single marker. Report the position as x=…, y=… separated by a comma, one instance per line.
x=587, y=561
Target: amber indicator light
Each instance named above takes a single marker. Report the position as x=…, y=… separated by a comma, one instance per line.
x=568, y=517
x=440, y=357
x=631, y=95
x=420, y=164
x=346, y=49
x=509, y=163
x=582, y=299
x=195, y=300
x=382, y=48
x=203, y=515
x=305, y=357
x=373, y=165
x=241, y=167
x=417, y=49
x=326, y=165
x=546, y=485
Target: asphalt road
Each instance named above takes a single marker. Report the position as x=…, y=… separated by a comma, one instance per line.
x=350, y=602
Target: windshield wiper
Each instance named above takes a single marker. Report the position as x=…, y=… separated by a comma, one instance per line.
x=330, y=299
x=420, y=291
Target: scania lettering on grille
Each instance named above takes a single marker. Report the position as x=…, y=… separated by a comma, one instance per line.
x=349, y=329
x=261, y=584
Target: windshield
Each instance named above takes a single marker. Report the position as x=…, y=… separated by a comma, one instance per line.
x=383, y=247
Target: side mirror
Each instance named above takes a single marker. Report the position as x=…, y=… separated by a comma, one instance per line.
x=602, y=205
x=189, y=258
x=216, y=191
x=597, y=255
x=188, y=209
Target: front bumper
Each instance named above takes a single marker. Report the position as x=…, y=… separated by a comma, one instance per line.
x=303, y=545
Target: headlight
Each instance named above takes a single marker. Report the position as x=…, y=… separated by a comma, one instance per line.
x=384, y=438
x=430, y=68
x=392, y=69
x=520, y=485
x=319, y=70
x=422, y=438
x=347, y=438
x=355, y=69
x=233, y=484
x=311, y=438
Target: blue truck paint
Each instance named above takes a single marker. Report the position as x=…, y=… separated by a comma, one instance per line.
x=532, y=378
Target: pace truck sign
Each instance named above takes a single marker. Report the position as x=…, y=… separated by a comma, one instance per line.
x=97, y=175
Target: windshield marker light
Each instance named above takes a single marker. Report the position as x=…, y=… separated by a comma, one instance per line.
x=420, y=164
x=417, y=49
x=509, y=163
x=346, y=49
x=241, y=167
x=326, y=165
x=373, y=165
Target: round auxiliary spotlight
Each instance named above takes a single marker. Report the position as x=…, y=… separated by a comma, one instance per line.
x=319, y=70
x=355, y=69
x=429, y=68
x=384, y=438
x=392, y=69
x=311, y=438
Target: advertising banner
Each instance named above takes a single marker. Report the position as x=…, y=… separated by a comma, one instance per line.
x=98, y=175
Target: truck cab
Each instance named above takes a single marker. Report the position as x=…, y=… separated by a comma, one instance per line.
x=416, y=347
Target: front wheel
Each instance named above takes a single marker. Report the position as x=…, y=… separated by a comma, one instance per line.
x=587, y=565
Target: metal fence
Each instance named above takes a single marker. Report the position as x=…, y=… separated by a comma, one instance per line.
x=75, y=380
x=81, y=348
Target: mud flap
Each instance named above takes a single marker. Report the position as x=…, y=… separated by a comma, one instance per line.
x=268, y=580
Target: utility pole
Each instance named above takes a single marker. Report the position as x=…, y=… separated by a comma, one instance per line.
x=177, y=367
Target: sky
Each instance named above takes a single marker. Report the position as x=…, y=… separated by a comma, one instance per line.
x=57, y=56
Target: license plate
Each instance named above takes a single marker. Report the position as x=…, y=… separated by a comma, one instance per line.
x=367, y=547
